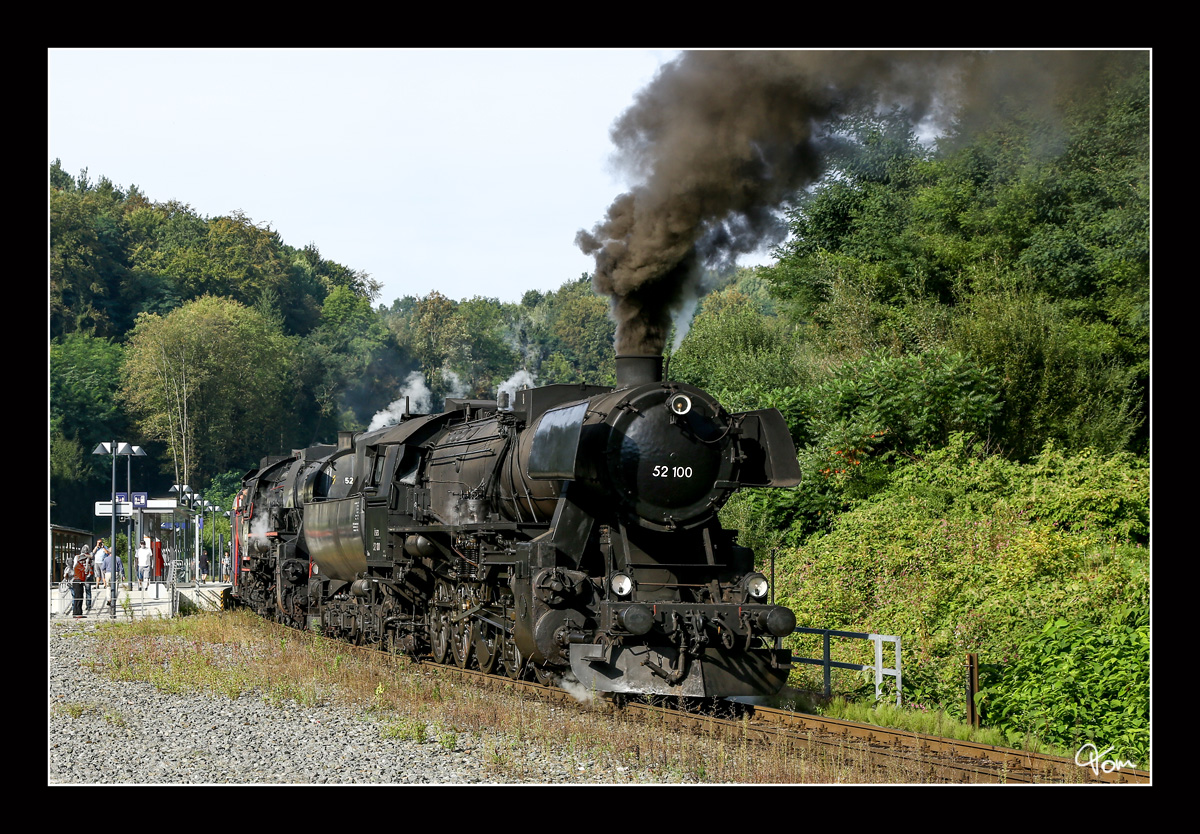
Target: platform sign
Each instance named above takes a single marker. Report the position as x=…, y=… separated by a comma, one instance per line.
x=141, y=500
x=106, y=508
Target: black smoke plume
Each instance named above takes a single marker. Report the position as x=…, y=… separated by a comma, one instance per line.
x=719, y=140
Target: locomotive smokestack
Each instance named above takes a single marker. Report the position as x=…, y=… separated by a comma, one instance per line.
x=638, y=369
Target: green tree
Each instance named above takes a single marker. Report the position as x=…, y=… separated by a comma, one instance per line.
x=966, y=552
x=331, y=274
x=436, y=336
x=1061, y=376
x=1021, y=241
x=742, y=356
x=88, y=262
x=488, y=358
x=85, y=409
x=206, y=379
x=229, y=256
x=347, y=318
x=352, y=360
x=583, y=332
x=84, y=383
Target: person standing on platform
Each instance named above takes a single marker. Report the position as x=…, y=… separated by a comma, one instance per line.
x=113, y=566
x=78, y=582
x=89, y=577
x=98, y=562
x=144, y=555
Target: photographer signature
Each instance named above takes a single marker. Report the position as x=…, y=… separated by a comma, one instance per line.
x=1096, y=763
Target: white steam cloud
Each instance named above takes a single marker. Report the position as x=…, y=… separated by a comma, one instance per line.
x=521, y=379
x=260, y=525
x=455, y=387
x=420, y=397
x=419, y=400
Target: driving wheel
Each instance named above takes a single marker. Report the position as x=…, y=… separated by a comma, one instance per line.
x=439, y=621
x=487, y=647
x=514, y=663
x=462, y=632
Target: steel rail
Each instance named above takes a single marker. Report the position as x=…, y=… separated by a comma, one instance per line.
x=1035, y=766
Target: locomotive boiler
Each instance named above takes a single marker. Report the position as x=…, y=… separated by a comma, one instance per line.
x=572, y=532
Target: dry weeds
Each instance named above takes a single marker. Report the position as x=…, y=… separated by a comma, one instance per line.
x=239, y=655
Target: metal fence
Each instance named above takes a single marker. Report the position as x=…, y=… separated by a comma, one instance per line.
x=828, y=664
x=157, y=599
x=134, y=598
x=96, y=598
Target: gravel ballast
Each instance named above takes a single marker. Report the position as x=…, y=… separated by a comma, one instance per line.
x=103, y=731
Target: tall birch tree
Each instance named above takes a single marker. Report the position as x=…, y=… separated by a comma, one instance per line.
x=208, y=380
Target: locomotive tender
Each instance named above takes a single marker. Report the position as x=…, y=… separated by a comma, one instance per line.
x=572, y=534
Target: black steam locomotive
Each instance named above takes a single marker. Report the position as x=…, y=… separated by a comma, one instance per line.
x=572, y=533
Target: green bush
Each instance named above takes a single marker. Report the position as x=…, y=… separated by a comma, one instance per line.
x=859, y=421
x=1076, y=681
x=963, y=552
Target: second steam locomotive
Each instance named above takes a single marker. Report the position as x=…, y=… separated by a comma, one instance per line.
x=572, y=532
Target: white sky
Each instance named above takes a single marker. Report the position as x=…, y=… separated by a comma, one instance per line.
x=464, y=171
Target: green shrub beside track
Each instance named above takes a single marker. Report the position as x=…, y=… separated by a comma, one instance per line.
x=1040, y=568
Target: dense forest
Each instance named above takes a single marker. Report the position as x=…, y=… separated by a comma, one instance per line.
x=958, y=333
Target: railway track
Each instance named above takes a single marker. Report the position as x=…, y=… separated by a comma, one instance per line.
x=945, y=759
x=941, y=760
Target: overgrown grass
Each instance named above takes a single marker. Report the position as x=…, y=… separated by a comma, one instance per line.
x=237, y=655
x=71, y=709
x=76, y=709
x=934, y=723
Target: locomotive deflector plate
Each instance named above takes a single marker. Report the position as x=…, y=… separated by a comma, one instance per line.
x=556, y=443
x=334, y=537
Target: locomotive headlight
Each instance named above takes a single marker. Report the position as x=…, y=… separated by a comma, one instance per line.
x=680, y=404
x=621, y=584
x=757, y=585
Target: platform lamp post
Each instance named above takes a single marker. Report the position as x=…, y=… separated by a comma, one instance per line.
x=198, y=542
x=214, y=555
x=194, y=565
x=114, y=448
x=205, y=505
x=139, y=452
x=183, y=495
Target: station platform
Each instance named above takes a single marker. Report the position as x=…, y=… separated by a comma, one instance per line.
x=156, y=600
